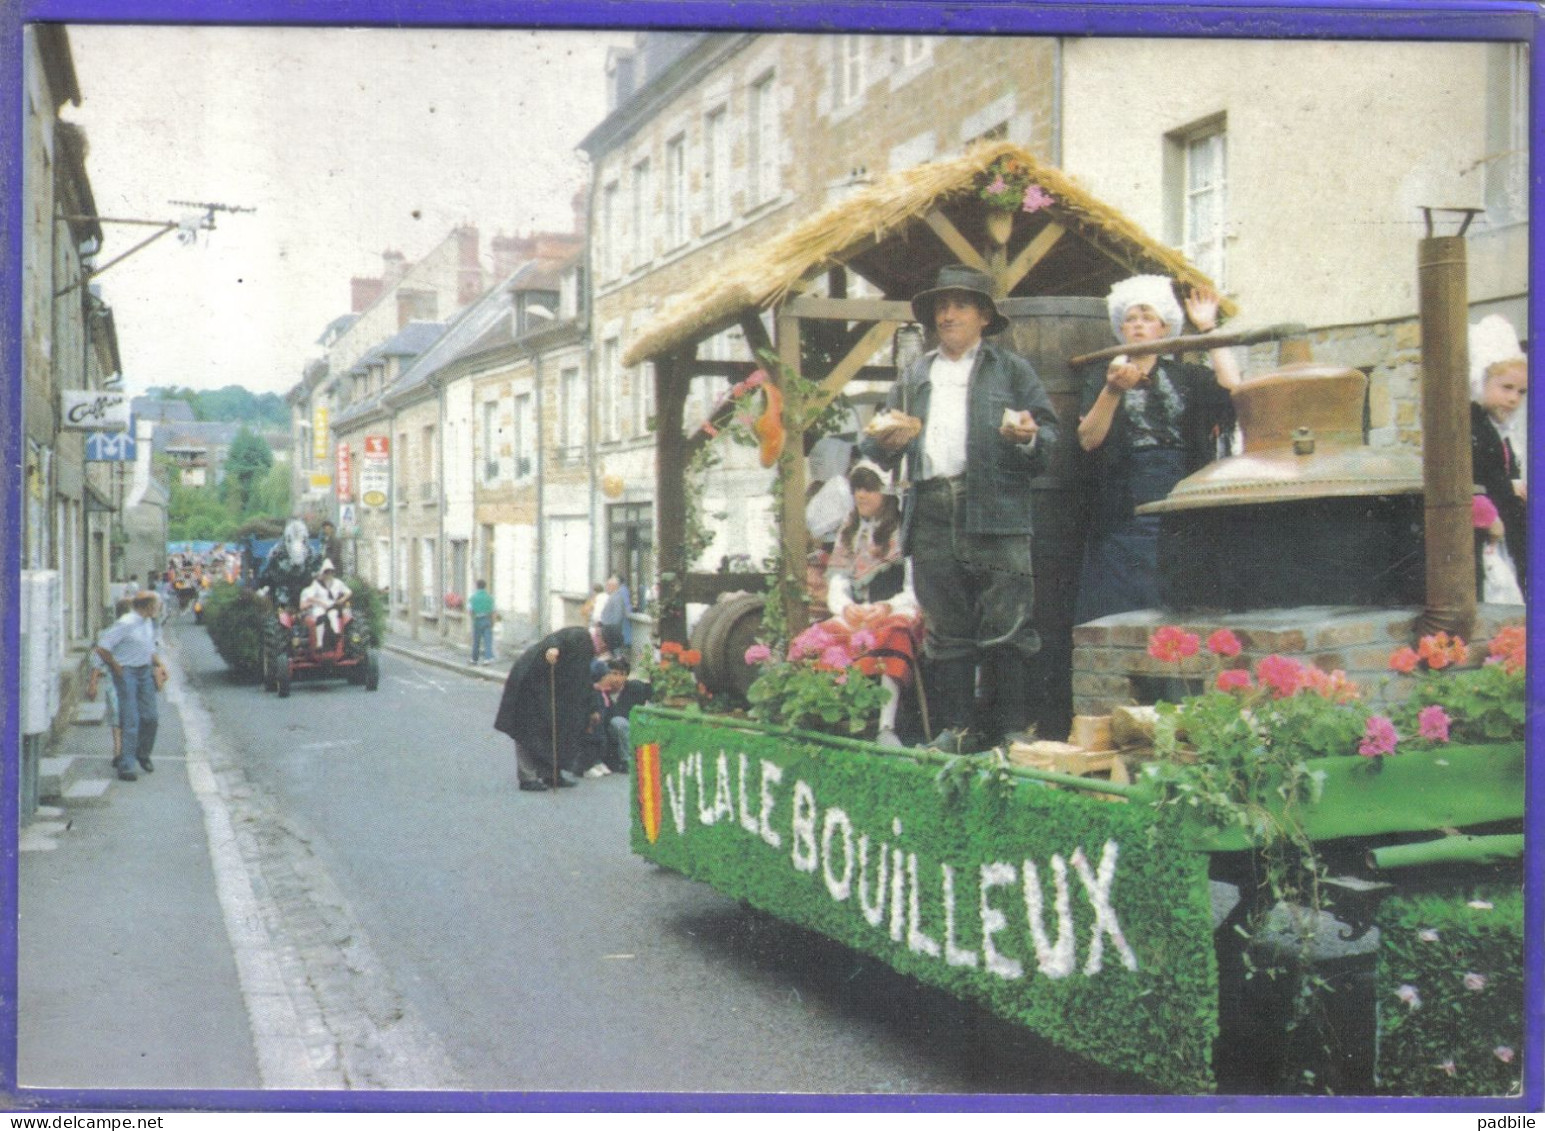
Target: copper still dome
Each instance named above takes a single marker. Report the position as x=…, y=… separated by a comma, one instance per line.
x=1303, y=435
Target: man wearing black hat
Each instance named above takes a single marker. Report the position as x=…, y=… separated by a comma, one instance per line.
x=975, y=426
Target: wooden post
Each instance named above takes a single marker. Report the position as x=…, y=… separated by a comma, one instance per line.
x=1447, y=473
x=670, y=398
x=796, y=540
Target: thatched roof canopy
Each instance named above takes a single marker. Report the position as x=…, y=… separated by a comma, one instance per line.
x=882, y=234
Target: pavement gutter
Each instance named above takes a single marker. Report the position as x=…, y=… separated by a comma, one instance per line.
x=284, y=1057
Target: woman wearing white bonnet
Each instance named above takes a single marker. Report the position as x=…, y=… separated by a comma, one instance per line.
x=1499, y=383
x=1149, y=421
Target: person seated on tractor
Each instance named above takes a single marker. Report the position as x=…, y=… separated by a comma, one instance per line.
x=290, y=565
x=322, y=604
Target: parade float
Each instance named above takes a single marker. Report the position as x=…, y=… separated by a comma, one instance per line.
x=1276, y=876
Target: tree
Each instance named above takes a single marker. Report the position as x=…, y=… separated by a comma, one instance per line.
x=246, y=464
x=271, y=494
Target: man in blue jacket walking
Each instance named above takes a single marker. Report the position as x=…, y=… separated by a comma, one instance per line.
x=974, y=426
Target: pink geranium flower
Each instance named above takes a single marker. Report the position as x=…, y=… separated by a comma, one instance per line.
x=1224, y=643
x=758, y=654
x=1037, y=198
x=1432, y=722
x=1379, y=738
x=835, y=656
x=1280, y=673
x=1234, y=679
x=1171, y=644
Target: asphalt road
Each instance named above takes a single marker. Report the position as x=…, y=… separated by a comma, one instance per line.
x=452, y=933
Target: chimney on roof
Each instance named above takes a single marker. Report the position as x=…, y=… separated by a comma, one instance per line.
x=394, y=265
x=510, y=252
x=364, y=292
x=469, y=268
x=555, y=245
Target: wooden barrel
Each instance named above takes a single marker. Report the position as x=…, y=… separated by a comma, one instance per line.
x=1049, y=331
x=723, y=634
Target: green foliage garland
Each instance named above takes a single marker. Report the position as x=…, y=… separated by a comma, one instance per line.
x=1157, y=1021
x=1451, y=994
x=234, y=616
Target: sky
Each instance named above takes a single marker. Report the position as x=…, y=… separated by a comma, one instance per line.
x=346, y=142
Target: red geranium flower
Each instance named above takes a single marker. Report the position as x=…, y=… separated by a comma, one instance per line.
x=692, y=657
x=1280, y=673
x=1234, y=679
x=1404, y=660
x=1224, y=643
x=670, y=648
x=1171, y=644
x=1508, y=649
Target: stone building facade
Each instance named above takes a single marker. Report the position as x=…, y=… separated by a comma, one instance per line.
x=726, y=140
x=1296, y=174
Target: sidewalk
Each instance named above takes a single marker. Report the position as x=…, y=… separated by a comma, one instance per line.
x=455, y=658
x=125, y=974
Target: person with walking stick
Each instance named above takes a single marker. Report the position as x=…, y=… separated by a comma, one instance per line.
x=545, y=708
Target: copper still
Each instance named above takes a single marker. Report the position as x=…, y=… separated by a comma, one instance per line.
x=1307, y=514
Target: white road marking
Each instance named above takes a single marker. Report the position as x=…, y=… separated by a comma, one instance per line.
x=284, y=1059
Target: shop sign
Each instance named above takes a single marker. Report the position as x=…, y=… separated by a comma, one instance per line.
x=90, y=410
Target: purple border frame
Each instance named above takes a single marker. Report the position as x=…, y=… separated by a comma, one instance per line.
x=1304, y=19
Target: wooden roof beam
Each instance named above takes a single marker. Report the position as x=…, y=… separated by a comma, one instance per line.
x=1031, y=255
x=848, y=367
x=945, y=229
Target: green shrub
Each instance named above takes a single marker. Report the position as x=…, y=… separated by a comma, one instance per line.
x=234, y=616
x=1451, y=993
x=369, y=605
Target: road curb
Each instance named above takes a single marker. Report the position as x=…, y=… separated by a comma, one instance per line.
x=492, y=674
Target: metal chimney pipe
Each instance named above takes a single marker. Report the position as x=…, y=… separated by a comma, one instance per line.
x=1447, y=474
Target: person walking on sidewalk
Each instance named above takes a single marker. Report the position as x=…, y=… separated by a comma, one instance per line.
x=129, y=649
x=481, y=606
x=616, y=617
x=110, y=714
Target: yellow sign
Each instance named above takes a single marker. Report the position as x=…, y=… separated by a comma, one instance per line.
x=321, y=480
x=320, y=445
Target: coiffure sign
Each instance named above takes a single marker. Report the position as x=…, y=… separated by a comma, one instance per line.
x=91, y=410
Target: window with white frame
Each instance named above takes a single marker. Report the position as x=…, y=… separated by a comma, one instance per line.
x=490, y=441
x=608, y=258
x=643, y=212
x=573, y=389
x=762, y=141
x=525, y=448
x=676, y=191
x=643, y=397
x=1196, y=180
x=457, y=582
x=1507, y=133
x=428, y=573
x=401, y=588
x=716, y=166
x=915, y=48
x=850, y=69
x=609, y=402
x=427, y=486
